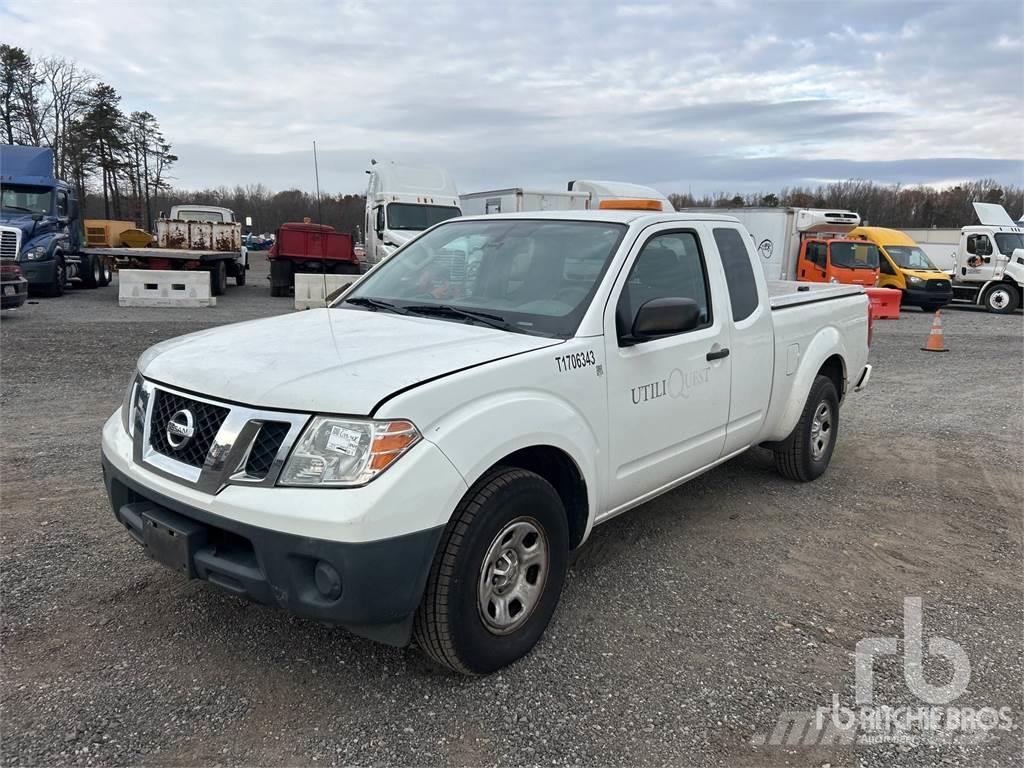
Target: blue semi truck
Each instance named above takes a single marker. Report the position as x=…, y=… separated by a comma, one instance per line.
x=41, y=224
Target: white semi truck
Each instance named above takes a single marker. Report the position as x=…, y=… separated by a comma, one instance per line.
x=419, y=459
x=401, y=202
x=985, y=260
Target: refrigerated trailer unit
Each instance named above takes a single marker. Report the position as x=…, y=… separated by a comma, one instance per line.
x=779, y=232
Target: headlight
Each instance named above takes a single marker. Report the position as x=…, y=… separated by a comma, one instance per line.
x=346, y=452
x=912, y=280
x=35, y=253
x=133, y=406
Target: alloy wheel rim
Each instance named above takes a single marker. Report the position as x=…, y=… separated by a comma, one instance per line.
x=821, y=430
x=512, y=575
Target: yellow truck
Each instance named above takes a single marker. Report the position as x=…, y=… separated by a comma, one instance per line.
x=905, y=266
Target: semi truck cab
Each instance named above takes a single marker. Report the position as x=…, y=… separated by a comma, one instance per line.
x=401, y=202
x=40, y=223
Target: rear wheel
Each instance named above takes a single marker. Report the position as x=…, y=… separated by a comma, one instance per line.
x=497, y=575
x=1002, y=298
x=280, y=277
x=106, y=273
x=805, y=454
x=347, y=268
x=92, y=271
x=218, y=278
x=240, y=274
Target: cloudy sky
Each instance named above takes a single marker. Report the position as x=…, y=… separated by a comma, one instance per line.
x=709, y=95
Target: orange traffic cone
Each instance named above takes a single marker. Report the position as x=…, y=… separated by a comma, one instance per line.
x=936, y=341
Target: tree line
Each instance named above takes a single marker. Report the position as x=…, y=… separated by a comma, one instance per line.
x=97, y=148
x=119, y=165
x=880, y=205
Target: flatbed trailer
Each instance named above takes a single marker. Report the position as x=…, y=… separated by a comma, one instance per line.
x=218, y=263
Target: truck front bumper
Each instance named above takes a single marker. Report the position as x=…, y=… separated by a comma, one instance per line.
x=370, y=587
x=38, y=273
x=928, y=297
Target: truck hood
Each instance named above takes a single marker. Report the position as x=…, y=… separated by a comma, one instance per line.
x=326, y=360
x=22, y=221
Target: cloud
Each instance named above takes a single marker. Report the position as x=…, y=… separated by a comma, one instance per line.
x=715, y=96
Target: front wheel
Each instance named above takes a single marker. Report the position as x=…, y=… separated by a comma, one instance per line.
x=1001, y=299
x=60, y=278
x=805, y=454
x=240, y=275
x=497, y=574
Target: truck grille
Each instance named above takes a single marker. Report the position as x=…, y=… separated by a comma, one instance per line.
x=265, y=448
x=8, y=244
x=208, y=419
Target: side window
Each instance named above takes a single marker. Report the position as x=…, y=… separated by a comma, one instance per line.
x=885, y=266
x=738, y=273
x=816, y=253
x=670, y=265
x=62, y=203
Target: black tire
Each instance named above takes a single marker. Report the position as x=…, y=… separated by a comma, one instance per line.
x=449, y=625
x=106, y=273
x=280, y=277
x=218, y=278
x=240, y=275
x=804, y=456
x=347, y=268
x=60, y=278
x=92, y=271
x=1001, y=298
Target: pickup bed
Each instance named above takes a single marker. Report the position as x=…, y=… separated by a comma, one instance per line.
x=418, y=460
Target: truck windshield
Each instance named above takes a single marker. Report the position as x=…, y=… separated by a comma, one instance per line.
x=530, y=276
x=419, y=217
x=853, y=255
x=910, y=257
x=26, y=199
x=1008, y=242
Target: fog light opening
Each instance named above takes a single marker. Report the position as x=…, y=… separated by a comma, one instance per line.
x=328, y=580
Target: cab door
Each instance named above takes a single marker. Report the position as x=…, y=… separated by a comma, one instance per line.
x=980, y=265
x=668, y=397
x=813, y=262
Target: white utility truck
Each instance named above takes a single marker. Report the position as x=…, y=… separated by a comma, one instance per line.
x=985, y=260
x=401, y=202
x=419, y=459
x=778, y=232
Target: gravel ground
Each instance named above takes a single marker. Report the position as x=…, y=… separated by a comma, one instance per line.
x=686, y=629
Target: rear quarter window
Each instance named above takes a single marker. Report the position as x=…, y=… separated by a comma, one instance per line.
x=739, y=274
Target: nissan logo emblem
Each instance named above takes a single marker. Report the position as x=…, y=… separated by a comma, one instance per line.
x=180, y=428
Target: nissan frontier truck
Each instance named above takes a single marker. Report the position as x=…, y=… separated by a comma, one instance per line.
x=418, y=460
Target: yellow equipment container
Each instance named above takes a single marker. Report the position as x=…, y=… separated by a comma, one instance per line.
x=136, y=238
x=105, y=233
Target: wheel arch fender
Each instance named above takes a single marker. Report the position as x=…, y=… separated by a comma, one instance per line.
x=827, y=350
x=476, y=437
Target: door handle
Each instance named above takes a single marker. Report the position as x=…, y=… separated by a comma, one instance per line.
x=718, y=354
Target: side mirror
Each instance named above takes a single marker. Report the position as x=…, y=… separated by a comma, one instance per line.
x=37, y=216
x=984, y=247
x=663, y=317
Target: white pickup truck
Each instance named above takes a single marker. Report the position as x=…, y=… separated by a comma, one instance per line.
x=419, y=459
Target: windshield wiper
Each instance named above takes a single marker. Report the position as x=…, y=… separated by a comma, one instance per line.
x=16, y=208
x=375, y=304
x=495, y=321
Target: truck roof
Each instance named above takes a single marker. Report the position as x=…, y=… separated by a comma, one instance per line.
x=617, y=216
x=26, y=165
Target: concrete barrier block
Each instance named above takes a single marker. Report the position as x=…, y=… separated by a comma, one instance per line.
x=164, y=288
x=309, y=288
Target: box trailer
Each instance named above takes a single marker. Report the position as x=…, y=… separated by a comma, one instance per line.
x=518, y=199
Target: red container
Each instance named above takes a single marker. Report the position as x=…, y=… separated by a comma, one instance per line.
x=885, y=303
x=298, y=241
